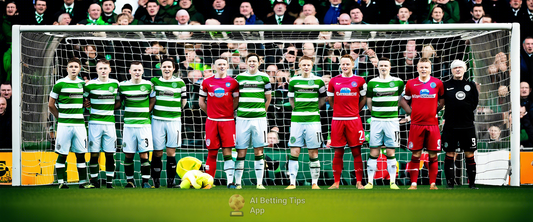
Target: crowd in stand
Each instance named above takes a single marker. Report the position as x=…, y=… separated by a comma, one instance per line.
x=279, y=61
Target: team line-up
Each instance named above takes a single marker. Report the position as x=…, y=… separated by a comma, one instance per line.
x=152, y=111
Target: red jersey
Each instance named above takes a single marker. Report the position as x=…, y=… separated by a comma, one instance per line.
x=424, y=100
x=220, y=93
x=346, y=92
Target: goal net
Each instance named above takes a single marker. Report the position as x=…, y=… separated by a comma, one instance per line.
x=40, y=55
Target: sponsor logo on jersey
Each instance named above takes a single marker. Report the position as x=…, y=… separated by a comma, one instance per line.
x=354, y=84
x=106, y=97
x=433, y=85
x=75, y=96
x=338, y=83
x=306, y=90
x=167, y=93
x=219, y=92
x=250, y=86
x=346, y=92
x=228, y=84
x=460, y=95
x=385, y=93
x=467, y=88
x=136, y=97
x=424, y=93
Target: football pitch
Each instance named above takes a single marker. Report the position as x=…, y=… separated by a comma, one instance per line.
x=47, y=203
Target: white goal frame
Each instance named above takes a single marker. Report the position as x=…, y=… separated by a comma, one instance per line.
x=514, y=57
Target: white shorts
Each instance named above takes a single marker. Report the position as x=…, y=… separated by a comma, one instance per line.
x=309, y=134
x=166, y=130
x=250, y=133
x=71, y=139
x=137, y=139
x=102, y=137
x=384, y=133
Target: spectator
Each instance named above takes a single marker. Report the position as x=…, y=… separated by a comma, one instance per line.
x=526, y=60
x=344, y=19
x=123, y=19
x=182, y=18
x=515, y=11
x=193, y=13
x=526, y=21
x=127, y=9
x=436, y=16
x=153, y=54
x=307, y=10
x=273, y=139
x=248, y=12
x=486, y=19
x=271, y=71
x=9, y=19
x=497, y=9
x=281, y=16
x=357, y=16
x=152, y=17
x=477, y=13
x=40, y=16
x=108, y=6
x=311, y=20
x=332, y=11
x=63, y=19
x=494, y=133
x=389, y=9
x=5, y=125
x=94, y=18
x=405, y=67
x=77, y=11
x=403, y=17
x=5, y=90
x=370, y=10
x=167, y=9
x=89, y=61
x=221, y=12
x=450, y=10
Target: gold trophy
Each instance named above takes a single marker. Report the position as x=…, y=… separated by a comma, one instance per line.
x=236, y=202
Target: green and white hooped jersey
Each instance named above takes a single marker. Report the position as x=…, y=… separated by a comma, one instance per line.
x=136, y=99
x=169, y=94
x=385, y=94
x=69, y=98
x=103, y=96
x=252, y=91
x=306, y=93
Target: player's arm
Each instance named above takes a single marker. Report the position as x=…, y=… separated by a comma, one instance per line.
x=203, y=97
x=118, y=102
x=403, y=103
x=322, y=101
x=52, y=107
x=235, y=102
x=331, y=100
x=475, y=93
x=152, y=99
x=322, y=94
x=268, y=93
x=183, y=96
x=291, y=94
x=369, y=103
x=362, y=98
x=441, y=104
x=331, y=93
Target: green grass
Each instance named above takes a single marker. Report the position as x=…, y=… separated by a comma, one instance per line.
x=47, y=203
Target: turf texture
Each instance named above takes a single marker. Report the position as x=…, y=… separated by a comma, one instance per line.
x=47, y=203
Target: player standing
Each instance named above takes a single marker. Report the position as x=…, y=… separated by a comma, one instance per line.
x=383, y=96
x=461, y=99
x=71, y=133
x=307, y=93
x=102, y=95
x=139, y=99
x=346, y=94
x=254, y=99
x=426, y=96
x=222, y=95
x=171, y=97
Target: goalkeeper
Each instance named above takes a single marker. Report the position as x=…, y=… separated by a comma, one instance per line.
x=196, y=179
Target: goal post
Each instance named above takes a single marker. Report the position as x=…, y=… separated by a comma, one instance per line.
x=390, y=36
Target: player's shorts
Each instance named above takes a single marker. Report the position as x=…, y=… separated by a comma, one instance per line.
x=251, y=133
x=465, y=139
x=169, y=131
x=349, y=132
x=424, y=136
x=219, y=134
x=71, y=138
x=384, y=132
x=102, y=137
x=137, y=139
x=306, y=135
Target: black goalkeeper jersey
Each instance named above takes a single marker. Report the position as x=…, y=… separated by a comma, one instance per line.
x=461, y=98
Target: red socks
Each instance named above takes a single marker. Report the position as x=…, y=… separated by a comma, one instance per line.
x=337, y=164
x=414, y=166
x=433, y=169
x=357, y=163
x=211, y=162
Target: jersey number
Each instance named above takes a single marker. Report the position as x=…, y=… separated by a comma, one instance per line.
x=438, y=144
x=397, y=137
x=474, y=144
x=361, y=135
x=146, y=142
